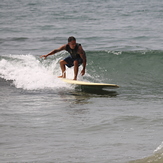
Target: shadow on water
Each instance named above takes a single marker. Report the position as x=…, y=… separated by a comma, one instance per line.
x=82, y=96
x=96, y=91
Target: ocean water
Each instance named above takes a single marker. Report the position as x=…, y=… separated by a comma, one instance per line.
x=43, y=119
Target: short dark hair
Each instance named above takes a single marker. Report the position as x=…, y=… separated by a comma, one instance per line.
x=71, y=38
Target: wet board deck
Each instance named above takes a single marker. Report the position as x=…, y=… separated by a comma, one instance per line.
x=89, y=84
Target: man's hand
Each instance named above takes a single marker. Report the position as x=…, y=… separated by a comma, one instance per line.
x=83, y=72
x=43, y=56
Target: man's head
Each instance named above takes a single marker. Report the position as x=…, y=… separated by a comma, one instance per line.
x=72, y=42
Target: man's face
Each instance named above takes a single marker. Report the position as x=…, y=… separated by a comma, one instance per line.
x=72, y=44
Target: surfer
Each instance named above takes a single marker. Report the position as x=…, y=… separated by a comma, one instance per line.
x=76, y=58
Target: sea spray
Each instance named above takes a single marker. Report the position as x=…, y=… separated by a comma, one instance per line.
x=27, y=72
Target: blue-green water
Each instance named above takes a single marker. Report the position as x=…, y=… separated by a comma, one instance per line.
x=43, y=119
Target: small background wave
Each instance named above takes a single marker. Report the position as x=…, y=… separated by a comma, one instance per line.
x=157, y=156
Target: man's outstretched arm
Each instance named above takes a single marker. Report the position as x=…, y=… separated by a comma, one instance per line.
x=54, y=51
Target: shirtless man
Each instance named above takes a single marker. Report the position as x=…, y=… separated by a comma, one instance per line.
x=76, y=58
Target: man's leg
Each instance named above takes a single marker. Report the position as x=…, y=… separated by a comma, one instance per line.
x=63, y=68
x=76, y=68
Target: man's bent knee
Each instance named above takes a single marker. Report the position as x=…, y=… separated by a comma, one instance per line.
x=62, y=62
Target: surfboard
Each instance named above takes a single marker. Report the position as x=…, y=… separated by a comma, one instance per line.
x=89, y=84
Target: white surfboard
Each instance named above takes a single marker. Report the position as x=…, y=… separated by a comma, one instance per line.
x=89, y=84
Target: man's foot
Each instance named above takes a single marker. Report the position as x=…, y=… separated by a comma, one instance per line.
x=61, y=77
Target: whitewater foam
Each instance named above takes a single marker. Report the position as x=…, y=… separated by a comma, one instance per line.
x=159, y=148
x=30, y=73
